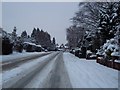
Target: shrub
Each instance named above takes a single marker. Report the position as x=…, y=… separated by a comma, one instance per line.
x=7, y=47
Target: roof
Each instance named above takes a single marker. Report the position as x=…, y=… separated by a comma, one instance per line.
x=32, y=44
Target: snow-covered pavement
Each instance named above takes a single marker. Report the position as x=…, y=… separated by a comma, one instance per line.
x=60, y=70
x=89, y=74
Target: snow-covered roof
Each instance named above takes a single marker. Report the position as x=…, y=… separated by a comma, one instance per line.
x=29, y=43
x=38, y=45
x=32, y=44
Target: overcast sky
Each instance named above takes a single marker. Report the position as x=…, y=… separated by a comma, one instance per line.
x=49, y=16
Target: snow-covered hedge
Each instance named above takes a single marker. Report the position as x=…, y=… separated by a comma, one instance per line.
x=110, y=48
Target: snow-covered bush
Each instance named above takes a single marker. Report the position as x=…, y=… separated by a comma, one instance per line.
x=109, y=49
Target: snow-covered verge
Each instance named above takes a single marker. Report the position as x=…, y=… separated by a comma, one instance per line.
x=17, y=55
x=89, y=74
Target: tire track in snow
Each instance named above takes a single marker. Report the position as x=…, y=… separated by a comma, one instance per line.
x=58, y=77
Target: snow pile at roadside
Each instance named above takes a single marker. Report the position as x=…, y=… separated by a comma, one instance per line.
x=89, y=74
x=17, y=55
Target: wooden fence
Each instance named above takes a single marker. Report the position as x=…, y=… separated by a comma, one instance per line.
x=109, y=63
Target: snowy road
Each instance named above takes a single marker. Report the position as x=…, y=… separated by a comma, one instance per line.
x=9, y=64
x=44, y=72
x=89, y=74
x=60, y=70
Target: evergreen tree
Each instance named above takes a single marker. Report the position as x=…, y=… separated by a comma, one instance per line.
x=24, y=34
x=109, y=20
x=33, y=33
x=14, y=35
x=40, y=37
x=54, y=42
